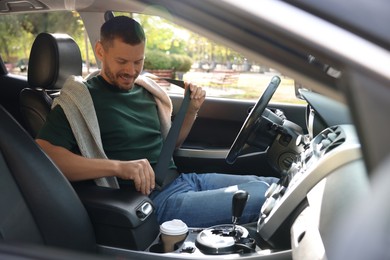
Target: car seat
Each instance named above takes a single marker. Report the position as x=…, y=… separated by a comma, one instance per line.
x=53, y=58
x=38, y=204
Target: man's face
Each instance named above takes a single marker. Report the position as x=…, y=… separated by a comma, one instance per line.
x=121, y=63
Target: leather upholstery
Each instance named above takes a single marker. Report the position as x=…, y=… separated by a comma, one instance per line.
x=38, y=204
x=53, y=58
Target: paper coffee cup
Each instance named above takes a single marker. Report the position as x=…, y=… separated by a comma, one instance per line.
x=172, y=232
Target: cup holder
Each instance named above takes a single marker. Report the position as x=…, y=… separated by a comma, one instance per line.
x=158, y=247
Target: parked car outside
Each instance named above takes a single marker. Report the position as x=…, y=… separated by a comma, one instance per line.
x=22, y=65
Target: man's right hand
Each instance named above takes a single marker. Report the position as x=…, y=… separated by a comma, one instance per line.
x=140, y=172
x=78, y=168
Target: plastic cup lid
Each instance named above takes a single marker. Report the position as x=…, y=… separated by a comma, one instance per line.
x=173, y=227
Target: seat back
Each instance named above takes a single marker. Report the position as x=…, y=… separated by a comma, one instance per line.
x=37, y=203
x=53, y=58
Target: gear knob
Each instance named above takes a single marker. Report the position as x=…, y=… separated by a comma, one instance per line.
x=240, y=198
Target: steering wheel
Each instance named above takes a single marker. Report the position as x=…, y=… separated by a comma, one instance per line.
x=253, y=119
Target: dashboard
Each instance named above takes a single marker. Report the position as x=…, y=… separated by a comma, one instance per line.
x=299, y=208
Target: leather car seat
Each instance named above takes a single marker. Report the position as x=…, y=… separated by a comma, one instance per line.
x=37, y=204
x=53, y=58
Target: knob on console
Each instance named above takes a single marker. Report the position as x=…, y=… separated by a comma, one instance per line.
x=240, y=198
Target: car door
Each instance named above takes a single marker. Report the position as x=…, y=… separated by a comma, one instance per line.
x=216, y=127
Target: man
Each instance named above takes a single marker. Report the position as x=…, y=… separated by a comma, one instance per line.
x=132, y=119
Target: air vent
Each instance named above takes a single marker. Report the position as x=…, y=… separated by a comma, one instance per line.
x=335, y=138
x=329, y=139
x=334, y=145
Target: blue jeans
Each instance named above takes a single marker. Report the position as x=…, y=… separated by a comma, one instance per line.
x=204, y=200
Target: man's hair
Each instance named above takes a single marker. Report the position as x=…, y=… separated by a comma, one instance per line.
x=125, y=28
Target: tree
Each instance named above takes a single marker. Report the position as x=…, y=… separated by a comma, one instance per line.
x=52, y=22
x=18, y=32
x=11, y=37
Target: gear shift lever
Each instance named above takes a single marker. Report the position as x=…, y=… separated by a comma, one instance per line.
x=240, y=198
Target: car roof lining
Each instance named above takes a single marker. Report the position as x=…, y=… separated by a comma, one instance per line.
x=353, y=16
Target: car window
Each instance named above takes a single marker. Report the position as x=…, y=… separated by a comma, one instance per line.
x=171, y=51
x=223, y=72
x=19, y=31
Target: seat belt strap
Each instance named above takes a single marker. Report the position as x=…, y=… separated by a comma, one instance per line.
x=163, y=175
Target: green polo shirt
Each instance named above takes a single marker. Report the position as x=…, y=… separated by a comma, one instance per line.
x=128, y=121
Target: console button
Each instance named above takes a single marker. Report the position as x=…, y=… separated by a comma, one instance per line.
x=271, y=190
x=268, y=205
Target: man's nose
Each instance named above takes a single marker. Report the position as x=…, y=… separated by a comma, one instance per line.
x=130, y=68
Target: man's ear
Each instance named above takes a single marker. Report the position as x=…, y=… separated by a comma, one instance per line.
x=99, y=50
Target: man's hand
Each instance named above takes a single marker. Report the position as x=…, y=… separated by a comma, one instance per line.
x=198, y=96
x=139, y=171
x=78, y=168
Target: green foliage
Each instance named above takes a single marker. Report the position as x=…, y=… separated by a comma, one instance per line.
x=157, y=60
x=14, y=42
x=177, y=47
x=17, y=32
x=176, y=61
x=51, y=22
x=181, y=62
x=159, y=32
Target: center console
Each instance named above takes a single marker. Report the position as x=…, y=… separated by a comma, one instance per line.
x=218, y=240
x=330, y=150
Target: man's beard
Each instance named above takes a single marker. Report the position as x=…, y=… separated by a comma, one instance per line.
x=113, y=78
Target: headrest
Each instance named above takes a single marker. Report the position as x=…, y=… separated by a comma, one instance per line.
x=53, y=58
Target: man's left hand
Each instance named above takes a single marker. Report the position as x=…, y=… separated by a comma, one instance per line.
x=197, y=97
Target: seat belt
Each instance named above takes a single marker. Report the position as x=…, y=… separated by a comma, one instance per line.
x=163, y=175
